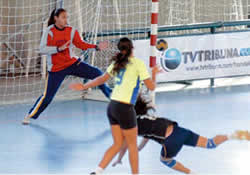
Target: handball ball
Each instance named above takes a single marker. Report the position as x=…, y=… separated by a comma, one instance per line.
x=161, y=45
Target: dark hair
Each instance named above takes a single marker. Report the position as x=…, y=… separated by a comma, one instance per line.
x=125, y=47
x=142, y=106
x=55, y=12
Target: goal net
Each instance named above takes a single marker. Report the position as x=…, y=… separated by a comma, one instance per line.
x=23, y=68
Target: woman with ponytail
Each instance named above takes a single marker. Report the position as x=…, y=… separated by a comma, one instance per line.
x=171, y=136
x=128, y=71
x=57, y=43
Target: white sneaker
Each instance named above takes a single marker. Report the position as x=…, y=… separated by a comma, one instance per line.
x=26, y=120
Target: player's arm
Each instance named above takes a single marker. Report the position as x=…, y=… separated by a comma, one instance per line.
x=124, y=149
x=151, y=82
x=143, y=143
x=45, y=44
x=145, y=77
x=79, y=43
x=93, y=83
x=96, y=82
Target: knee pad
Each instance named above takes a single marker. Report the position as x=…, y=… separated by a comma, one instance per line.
x=168, y=162
x=211, y=144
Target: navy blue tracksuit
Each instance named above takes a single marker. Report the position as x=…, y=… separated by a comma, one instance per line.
x=55, y=79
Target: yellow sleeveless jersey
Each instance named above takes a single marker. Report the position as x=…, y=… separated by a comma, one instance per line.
x=127, y=81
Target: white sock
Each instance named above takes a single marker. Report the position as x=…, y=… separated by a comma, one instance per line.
x=193, y=173
x=99, y=170
x=231, y=136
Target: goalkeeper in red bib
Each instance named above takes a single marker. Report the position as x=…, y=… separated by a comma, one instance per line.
x=57, y=43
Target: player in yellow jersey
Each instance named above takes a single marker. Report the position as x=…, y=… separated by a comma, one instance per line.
x=128, y=72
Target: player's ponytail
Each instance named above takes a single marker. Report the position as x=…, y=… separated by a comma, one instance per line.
x=142, y=106
x=120, y=60
x=55, y=12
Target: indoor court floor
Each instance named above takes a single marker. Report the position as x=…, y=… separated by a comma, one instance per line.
x=72, y=136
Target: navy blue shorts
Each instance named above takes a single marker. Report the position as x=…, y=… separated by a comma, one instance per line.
x=179, y=137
